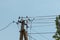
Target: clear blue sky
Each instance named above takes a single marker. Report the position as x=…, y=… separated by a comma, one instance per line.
x=11, y=9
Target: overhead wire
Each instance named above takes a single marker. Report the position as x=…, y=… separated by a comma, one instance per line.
x=41, y=16
x=43, y=26
x=32, y=37
x=45, y=18
x=43, y=33
x=35, y=22
x=17, y=24
x=42, y=22
x=6, y=26
x=30, y=28
x=43, y=37
x=38, y=34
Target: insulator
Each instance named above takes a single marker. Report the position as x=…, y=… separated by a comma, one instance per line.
x=19, y=17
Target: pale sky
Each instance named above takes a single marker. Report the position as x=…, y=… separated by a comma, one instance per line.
x=11, y=9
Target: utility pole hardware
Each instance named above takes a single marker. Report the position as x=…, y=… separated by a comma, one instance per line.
x=23, y=32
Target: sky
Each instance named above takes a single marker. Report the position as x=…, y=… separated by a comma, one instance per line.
x=10, y=10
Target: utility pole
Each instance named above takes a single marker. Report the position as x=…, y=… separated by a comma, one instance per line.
x=23, y=32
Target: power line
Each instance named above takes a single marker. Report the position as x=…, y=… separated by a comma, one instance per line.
x=30, y=28
x=43, y=36
x=6, y=26
x=18, y=26
x=45, y=19
x=43, y=26
x=47, y=16
x=42, y=22
x=42, y=16
x=43, y=33
x=35, y=22
x=40, y=35
x=32, y=37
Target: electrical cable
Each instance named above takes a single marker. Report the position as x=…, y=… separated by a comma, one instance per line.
x=45, y=19
x=32, y=37
x=43, y=36
x=45, y=16
x=6, y=26
x=39, y=34
x=43, y=26
x=42, y=22
x=42, y=16
x=30, y=28
x=17, y=26
x=43, y=33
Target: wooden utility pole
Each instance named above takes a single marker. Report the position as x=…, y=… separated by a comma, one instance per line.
x=23, y=32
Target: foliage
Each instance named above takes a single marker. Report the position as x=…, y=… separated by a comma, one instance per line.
x=57, y=34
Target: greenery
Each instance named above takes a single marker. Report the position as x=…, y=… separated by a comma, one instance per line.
x=57, y=34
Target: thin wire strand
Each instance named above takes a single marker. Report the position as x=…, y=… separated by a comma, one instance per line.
x=17, y=26
x=42, y=16
x=45, y=19
x=32, y=37
x=43, y=36
x=42, y=22
x=30, y=29
x=44, y=33
x=6, y=26
x=47, y=16
x=43, y=26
